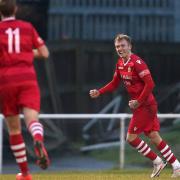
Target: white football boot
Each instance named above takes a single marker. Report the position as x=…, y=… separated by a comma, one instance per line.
x=158, y=167
x=176, y=173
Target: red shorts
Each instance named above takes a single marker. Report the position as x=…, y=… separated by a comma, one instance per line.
x=144, y=120
x=13, y=98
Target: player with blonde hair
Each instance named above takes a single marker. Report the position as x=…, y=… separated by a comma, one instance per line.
x=133, y=72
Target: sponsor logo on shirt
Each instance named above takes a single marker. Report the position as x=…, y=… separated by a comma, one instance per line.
x=126, y=77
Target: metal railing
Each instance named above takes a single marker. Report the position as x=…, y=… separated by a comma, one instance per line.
x=121, y=116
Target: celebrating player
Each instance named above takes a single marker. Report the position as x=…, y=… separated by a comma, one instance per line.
x=19, y=90
x=132, y=71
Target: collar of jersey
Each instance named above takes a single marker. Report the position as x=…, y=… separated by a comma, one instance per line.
x=8, y=18
x=127, y=60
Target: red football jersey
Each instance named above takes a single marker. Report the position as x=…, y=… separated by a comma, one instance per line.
x=17, y=40
x=136, y=77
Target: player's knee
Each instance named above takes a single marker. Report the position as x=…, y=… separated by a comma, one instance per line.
x=13, y=131
x=14, y=128
x=127, y=139
x=130, y=137
x=153, y=135
x=155, y=138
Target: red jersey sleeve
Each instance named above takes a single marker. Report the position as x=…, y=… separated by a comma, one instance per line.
x=37, y=40
x=111, y=86
x=145, y=75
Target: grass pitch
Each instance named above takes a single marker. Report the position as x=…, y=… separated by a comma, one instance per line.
x=99, y=175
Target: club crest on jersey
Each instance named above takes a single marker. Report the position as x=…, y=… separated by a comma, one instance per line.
x=138, y=61
x=129, y=69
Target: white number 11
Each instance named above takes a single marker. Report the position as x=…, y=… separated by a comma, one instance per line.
x=13, y=39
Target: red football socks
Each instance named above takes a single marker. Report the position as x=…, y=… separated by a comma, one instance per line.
x=19, y=150
x=143, y=148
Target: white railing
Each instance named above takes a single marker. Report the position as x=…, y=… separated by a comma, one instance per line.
x=121, y=116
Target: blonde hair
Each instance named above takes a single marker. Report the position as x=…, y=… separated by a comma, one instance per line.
x=120, y=37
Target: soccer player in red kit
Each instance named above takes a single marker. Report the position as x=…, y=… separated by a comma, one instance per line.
x=132, y=71
x=19, y=90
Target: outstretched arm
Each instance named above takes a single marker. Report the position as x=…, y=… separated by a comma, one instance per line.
x=111, y=86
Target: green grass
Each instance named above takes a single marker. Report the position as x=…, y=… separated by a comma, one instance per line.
x=99, y=175
x=132, y=157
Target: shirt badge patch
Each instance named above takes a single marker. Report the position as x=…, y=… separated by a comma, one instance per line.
x=138, y=61
x=40, y=40
x=129, y=69
x=144, y=73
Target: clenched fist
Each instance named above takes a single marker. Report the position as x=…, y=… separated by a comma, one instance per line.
x=94, y=93
x=134, y=104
